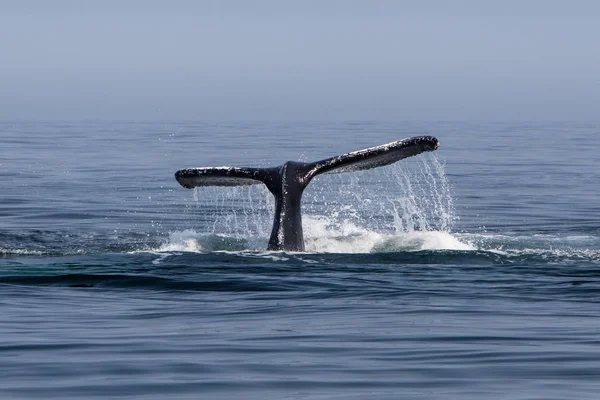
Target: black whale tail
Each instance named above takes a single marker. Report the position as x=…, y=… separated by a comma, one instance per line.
x=288, y=181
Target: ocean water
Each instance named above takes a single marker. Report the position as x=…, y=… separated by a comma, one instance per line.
x=468, y=273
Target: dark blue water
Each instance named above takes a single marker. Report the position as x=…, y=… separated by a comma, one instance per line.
x=470, y=273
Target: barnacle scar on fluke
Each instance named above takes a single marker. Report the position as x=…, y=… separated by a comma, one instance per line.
x=288, y=181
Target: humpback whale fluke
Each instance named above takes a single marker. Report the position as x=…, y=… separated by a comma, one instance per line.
x=288, y=181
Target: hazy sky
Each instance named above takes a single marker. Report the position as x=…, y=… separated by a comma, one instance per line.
x=300, y=60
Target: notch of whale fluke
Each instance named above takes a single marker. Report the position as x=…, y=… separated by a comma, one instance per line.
x=288, y=181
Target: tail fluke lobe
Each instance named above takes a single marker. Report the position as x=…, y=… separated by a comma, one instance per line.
x=373, y=157
x=222, y=176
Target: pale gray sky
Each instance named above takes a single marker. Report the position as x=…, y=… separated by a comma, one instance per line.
x=291, y=60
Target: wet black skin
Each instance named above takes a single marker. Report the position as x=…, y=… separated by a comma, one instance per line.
x=287, y=185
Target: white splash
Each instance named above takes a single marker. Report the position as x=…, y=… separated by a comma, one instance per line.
x=324, y=236
x=20, y=252
x=186, y=240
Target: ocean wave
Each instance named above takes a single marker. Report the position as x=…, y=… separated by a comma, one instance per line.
x=310, y=274
x=352, y=243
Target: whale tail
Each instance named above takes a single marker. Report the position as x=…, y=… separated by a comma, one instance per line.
x=288, y=181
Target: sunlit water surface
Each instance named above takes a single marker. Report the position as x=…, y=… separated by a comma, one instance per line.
x=470, y=273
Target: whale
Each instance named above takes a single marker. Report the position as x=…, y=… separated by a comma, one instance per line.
x=288, y=181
